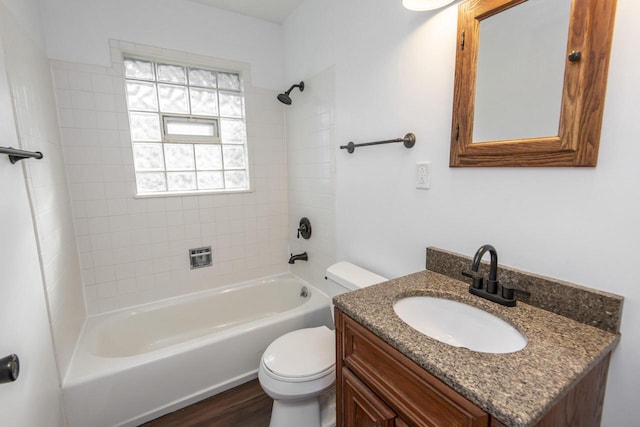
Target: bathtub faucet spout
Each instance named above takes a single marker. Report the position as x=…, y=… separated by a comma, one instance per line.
x=300, y=257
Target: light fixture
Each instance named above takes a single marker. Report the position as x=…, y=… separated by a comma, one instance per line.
x=425, y=4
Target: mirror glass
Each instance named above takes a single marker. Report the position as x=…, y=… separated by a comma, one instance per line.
x=520, y=71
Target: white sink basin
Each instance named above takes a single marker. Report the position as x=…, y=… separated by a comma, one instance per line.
x=459, y=324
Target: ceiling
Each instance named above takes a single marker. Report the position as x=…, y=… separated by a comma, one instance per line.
x=270, y=10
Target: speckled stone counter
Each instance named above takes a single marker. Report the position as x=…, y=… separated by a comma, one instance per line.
x=516, y=388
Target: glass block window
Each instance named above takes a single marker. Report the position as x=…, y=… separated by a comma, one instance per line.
x=187, y=128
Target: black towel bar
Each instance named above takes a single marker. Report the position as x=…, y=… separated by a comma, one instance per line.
x=16, y=155
x=409, y=141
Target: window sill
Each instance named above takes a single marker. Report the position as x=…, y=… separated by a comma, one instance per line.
x=189, y=193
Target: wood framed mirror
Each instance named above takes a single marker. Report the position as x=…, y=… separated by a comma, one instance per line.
x=504, y=80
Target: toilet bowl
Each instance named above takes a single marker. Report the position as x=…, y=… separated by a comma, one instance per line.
x=297, y=370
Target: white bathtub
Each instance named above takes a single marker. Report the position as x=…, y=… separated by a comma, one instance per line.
x=134, y=365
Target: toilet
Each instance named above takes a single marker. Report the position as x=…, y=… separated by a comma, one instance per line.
x=298, y=369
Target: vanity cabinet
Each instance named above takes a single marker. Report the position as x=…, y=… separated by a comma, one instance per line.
x=379, y=386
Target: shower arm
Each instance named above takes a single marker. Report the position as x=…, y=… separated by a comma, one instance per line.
x=297, y=85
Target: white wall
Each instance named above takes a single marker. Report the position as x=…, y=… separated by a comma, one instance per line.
x=79, y=30
x=37, y=125
x=34, y=399
x=394, y=74
x=311, y=172
x=26, y=14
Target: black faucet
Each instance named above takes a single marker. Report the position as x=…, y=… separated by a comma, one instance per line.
x=505, y=296
x=300, y=257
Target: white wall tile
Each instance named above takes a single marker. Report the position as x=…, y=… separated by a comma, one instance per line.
x=102, y=83
x=104, y=273
x=79, y=81
x=122, y=255
x=125, y=271
x=85, y=119
x=107, y=120
x=81, y=100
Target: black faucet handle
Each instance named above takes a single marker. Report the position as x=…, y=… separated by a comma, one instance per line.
x=476, y=277
x=472, y=274
x=509, y=292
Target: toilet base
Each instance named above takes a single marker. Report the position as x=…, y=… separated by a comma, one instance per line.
x=318, y=411
x=328, y=408
x=295, y=414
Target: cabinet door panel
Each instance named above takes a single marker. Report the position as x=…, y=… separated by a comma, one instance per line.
x=363, y=408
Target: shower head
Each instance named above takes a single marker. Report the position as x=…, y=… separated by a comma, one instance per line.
x=285, y=98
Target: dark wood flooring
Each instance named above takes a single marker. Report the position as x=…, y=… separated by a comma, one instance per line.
x=243, y=406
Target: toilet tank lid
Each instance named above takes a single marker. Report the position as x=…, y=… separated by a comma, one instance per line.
x=352, y=276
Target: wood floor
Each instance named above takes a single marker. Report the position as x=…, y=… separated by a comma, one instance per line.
x=244, y=406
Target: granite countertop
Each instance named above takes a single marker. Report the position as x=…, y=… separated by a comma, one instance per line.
x=516, y=388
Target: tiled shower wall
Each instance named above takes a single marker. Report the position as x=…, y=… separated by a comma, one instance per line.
x=311, y=152
x=134, y=250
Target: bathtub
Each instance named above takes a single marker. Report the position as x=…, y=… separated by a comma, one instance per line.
x=135, y=365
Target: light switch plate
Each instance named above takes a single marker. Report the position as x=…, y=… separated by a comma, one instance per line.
x=423, y=175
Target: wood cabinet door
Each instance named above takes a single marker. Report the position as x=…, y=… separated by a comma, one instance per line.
x=362, y=407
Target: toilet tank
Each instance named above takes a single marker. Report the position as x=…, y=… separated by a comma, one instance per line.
x=344, y=277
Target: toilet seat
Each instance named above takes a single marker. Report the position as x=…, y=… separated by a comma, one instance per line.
x=301, y=356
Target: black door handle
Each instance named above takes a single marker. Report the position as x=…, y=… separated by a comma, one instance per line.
x=9, y=368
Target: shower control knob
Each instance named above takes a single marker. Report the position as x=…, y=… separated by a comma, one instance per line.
x=9, y=368
x=304, y=229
